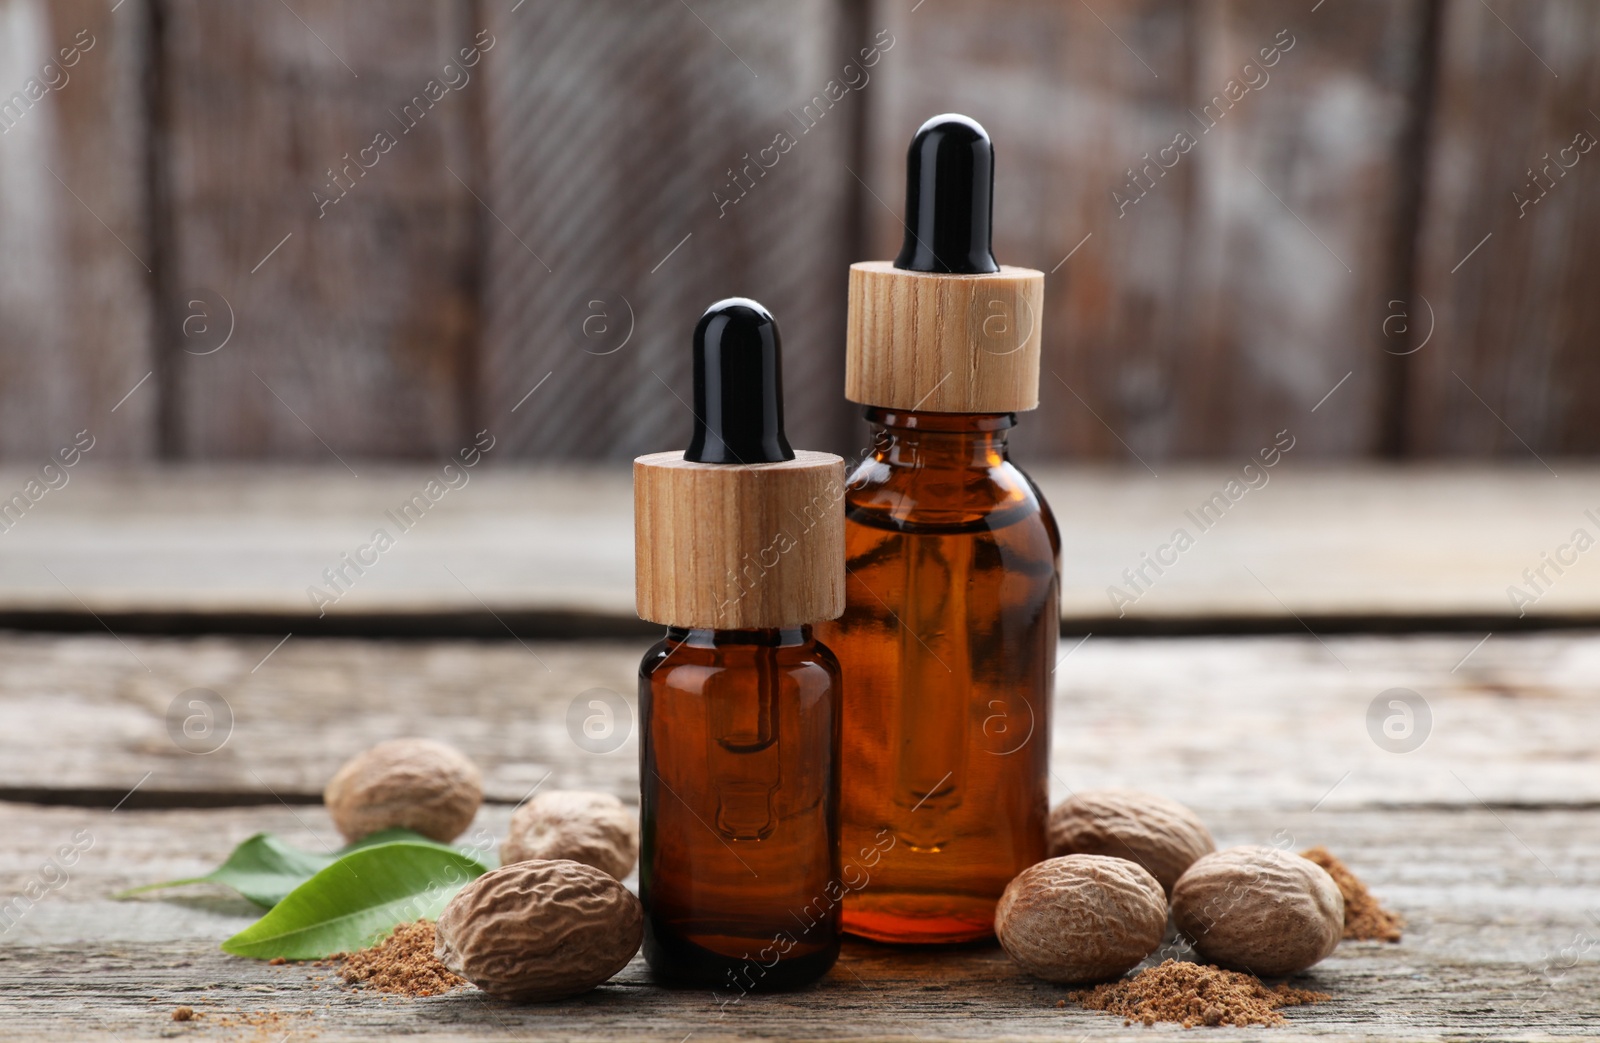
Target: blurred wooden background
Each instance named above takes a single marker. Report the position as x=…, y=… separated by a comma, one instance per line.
x=1391, y=202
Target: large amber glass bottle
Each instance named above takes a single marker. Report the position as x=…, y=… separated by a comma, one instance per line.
x=949, y=631
x=948, y=640
x=739, y=549
x=740, y=808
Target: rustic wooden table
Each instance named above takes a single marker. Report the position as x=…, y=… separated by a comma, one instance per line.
x=1486, y=836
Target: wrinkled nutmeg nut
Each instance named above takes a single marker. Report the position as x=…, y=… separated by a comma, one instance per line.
x=535, y=931
x=592, y=828
x=414, y=784
x=1081, y=918
x=1259, y=909
x=1160, y=834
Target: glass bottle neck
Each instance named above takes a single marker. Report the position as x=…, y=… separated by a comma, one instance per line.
x=760, y=637
x=903, y=438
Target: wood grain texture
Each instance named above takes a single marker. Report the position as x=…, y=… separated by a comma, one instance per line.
x=75, y=255
x=1495, y=946
x=1415, y=546
x=1503, y=258
x=1218, y=240
x=1487, y=838
x=316, y=164
x=943, y=343
x=631, y=190
x=601, y=174
x=776, y=558
x=1512, y=723
x=1295, y=250
x=250, y=539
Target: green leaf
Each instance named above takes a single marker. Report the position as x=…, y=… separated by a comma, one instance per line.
x=357, y=900
x=264, y=868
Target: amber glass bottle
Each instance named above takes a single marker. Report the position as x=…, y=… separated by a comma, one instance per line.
x=948, y=636
x=739, y=549
x=740, y=807
x=946, y=731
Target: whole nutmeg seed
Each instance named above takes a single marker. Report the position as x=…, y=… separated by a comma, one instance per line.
x=414, y=784
x=1160, y=834
x=535, y=931
x=1259, y=909
x=1081, y=918
x=592, y=828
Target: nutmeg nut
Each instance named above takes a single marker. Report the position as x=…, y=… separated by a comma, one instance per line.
x=1081, y=918
x=1259, y=909
x=592, y=828
x=540, y=930
x=416, y=784
x=1158, y=833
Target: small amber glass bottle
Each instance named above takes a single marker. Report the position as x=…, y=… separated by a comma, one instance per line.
x=952, y=595
x=740, y=828
x=739, y=549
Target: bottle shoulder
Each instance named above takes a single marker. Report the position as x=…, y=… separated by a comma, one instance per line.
x=1046, y=515
x=948, y=500
x=668, y=656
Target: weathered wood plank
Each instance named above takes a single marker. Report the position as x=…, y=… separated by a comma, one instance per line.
x=1405, y=545
x=1508, y=365
x=618, y=145
x=248, y=540
x=75, y=253
x=1494, y=947
x=1299, y=215
x=1381, y=544
x=316, y=163
x=1218, y=290
x=1512, y=723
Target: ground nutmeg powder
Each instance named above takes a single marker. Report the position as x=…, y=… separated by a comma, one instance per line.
x=1364, y=919
x=402, y=963
x=1194, y=994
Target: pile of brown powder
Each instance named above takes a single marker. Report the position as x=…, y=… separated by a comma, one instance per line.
x=1364, y=919
x=402, y=963
x=1194, y=994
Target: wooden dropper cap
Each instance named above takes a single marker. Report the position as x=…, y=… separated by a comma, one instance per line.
x=738, y=531
x=944, y=328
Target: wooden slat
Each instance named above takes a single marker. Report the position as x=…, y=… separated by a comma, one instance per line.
x=1510, y=367
x=1487, y=947
x=1210, y=314
x=75, y=256
x=253, y=540
x=1296, y=232
x=1512, y=722
x=1389, y=544
x=553, y=549
x=354, y=337
x=611, y=138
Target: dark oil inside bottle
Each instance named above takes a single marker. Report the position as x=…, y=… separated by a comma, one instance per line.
x=739, y=869
x=949, y=641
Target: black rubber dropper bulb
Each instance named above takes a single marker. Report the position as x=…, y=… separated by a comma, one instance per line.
x=738, y=386
x=949, y=198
